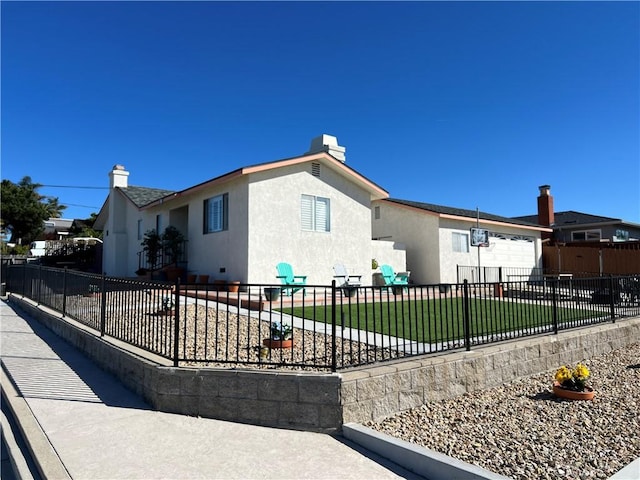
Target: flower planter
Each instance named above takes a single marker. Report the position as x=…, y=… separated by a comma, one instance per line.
x=271, y=294
x=191, y=279
x=350, y=291
x=203, y=278
x=561, y=392
x=269, y=342
x=398, y=290
x=219, y=285
x=233, y=286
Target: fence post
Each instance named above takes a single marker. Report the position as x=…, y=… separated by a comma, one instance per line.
x=64, y=292
x=24, y=278
x=334, y=354
x=176, y=324
x=39, y=284
x=466, y=314
x=554, y=305
x=103, y=305
x=612, y=299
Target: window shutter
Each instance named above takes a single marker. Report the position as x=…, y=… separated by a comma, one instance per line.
x=322, y=214
x=307, y=212
x=225, y=212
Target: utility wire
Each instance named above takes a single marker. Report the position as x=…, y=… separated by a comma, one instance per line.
x=75, y=186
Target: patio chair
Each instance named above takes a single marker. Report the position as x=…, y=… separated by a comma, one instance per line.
x=393, y=279
x=348, y=283
x=343, y=279
x=293, y=282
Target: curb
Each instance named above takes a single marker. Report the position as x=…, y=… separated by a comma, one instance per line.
x=427, y=463
x=630, y=472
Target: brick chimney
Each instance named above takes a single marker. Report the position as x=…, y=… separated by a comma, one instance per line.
x=545, y=206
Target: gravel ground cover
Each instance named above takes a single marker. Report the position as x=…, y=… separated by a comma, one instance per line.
x=221, y=338
x=521, y=430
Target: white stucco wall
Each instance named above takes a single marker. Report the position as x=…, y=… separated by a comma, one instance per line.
x=428, y=240
x=417, y=231
x=116, y=239
x=500, y=252
x=276, y=233
x=264, y=228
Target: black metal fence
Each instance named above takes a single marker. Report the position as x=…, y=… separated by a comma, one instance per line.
x=475, y=274
x=331, y=327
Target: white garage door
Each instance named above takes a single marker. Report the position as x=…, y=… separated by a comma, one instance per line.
x=509, y=251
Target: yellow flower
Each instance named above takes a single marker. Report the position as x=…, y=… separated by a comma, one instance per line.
x=581, y=372
x=563, y=374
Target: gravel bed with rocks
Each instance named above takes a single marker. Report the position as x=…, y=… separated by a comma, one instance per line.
x=521, y=430
x=225, y=339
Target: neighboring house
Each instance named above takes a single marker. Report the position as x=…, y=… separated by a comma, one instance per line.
x=573, y=226
x=57, y=228
x=437, y=239
x=311, y=211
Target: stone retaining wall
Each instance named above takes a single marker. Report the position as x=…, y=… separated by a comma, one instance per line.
x=376, y=392
x=324, y=401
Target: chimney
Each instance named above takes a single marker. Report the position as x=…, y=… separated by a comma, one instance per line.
x=545, y=206
x=118, y=177
x=329, y=144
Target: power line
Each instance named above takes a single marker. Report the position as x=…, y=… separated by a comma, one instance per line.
x=76, y=205
x=75, y=186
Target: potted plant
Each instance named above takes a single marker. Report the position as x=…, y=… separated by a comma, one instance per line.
x=571, y=383
x=280, y=336
x=151, y=245
x=271, y=294
x=166, y=307
x=93, y=291
x=173, y=244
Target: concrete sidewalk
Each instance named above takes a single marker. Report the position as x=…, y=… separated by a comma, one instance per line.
x=82, y=423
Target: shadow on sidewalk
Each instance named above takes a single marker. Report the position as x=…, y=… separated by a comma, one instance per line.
x=44, y=365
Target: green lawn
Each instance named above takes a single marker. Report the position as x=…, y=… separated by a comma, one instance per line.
x=440, y=320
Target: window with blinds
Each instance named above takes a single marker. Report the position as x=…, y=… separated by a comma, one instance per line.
x=460, y=242
x=216, y=213
x=316, y=213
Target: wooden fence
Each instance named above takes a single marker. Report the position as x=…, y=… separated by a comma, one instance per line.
x=592, y=258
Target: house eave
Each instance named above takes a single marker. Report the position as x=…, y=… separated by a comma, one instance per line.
x=374, y=190
x=470, y=220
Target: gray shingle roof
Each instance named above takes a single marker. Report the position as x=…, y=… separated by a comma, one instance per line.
x=571, y=217
x=461, y=212
x=142, y=196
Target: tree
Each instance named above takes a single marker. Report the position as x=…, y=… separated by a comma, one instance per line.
x=24, y=210
x=84, y=227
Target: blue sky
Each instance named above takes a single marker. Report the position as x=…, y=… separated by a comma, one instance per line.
x=463, y=104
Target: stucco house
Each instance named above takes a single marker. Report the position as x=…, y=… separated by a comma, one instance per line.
x=311, y=211
x=437, y=239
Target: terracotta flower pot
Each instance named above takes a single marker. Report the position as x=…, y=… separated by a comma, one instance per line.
x=560, y=391
x=269, y=342
x=233, y=286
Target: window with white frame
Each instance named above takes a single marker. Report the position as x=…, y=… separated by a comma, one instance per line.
x=216, y=212
x=586, y=235
x=316, y=213
x=460, y=242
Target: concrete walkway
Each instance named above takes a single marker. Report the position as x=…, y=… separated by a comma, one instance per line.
x=81, y=423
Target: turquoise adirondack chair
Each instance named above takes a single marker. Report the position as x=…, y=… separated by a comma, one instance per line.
x=392, y=279
x=293, y=282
